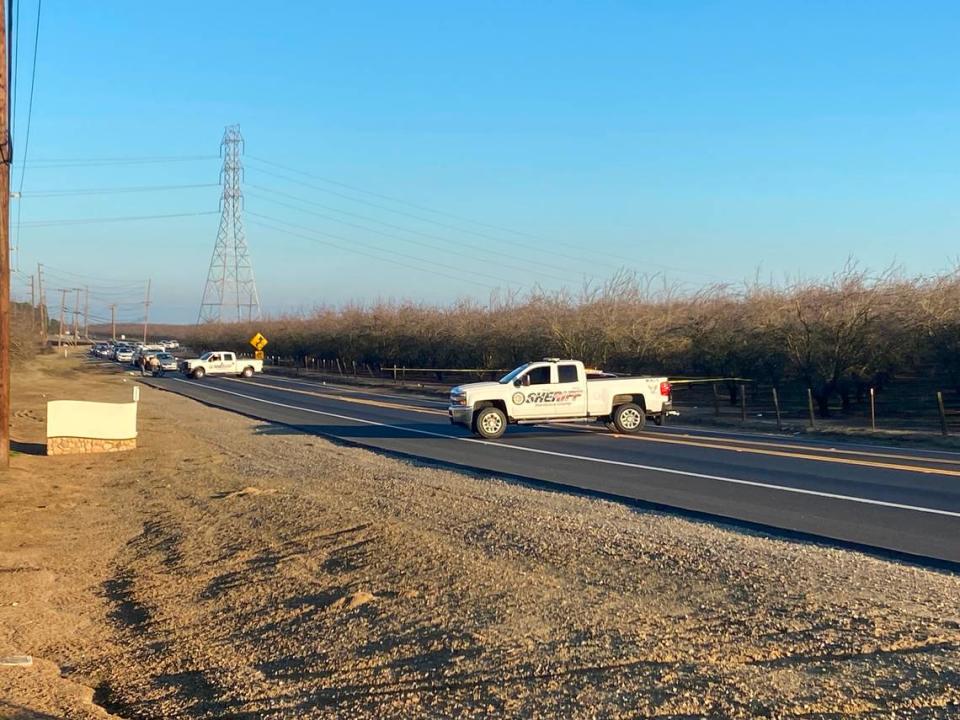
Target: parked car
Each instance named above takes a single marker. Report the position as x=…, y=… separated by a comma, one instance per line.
x=123, y=354
x=167, y=361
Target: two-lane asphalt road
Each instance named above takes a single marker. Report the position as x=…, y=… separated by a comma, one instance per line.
x=888, y=498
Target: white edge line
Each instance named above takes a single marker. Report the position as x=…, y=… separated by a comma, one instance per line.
x=619, y=463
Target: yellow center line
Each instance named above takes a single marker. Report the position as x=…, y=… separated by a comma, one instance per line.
x=341, y=398
x=808, y=448
x=712, y=445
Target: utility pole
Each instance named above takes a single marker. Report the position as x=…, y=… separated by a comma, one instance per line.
x=230, y=283
x=6, y=157
x=86, y=313
x=146, y=312
x=33, y=306
x=76, y=317
x=43, y=305
x=113, y=321
x=63, y=309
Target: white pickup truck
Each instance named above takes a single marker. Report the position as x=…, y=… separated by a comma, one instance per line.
x=559, y=391
x=220, y=363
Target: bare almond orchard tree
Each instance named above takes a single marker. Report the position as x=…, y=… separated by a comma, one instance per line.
x=827, y=328
x=936, y=305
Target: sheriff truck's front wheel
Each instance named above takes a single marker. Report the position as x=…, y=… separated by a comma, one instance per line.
x=490, y=423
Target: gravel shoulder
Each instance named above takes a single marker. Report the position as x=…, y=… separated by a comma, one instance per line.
x=230, y=568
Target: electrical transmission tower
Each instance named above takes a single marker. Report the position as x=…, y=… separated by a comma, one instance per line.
x=231, y=292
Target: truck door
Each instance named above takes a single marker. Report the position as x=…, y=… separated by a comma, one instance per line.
x=229, y=363
x=216, y=363
x=553, y=391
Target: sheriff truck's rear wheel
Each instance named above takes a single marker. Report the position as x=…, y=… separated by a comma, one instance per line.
x=490, y=423
x=629, y=418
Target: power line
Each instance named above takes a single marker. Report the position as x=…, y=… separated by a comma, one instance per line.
x=430, y=246
x=391, y=198
x=588, y=262
x=462, y=278
x=499, y=255
x=92, y=162
x=129, y=218
x=26, y=142
x=592, y=261
x=64, y=271
x=115, y=190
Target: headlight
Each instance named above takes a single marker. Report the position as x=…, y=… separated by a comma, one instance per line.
x=458, y=399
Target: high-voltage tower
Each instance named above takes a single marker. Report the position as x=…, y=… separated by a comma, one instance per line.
x=231, y=292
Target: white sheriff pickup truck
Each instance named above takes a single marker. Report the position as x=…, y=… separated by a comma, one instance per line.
x=559, y=391
x=220, y=363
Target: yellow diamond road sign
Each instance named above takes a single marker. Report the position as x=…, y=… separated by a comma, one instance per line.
x=258, y=341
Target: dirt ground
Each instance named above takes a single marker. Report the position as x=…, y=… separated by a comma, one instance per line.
x=230, y=568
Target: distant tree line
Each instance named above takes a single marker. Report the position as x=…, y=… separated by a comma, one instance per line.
x=838, y=336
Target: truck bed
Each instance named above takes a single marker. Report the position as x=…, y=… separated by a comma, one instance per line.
x=601, y=391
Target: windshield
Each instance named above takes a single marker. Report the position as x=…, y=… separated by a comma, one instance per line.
x=206, y=356
x=511, y=376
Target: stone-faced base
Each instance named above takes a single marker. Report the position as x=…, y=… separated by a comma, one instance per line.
x=74, y=446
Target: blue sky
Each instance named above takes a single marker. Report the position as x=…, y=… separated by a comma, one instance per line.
x=706, y=140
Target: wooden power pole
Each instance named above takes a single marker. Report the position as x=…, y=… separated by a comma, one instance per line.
x=76, y=317
x=6, y=157
x=33, y=305
x=63, y=309
x=113, y=322
x=43, y=305
x=86, y=313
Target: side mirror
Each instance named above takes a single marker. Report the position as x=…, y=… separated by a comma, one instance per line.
x=517, y=383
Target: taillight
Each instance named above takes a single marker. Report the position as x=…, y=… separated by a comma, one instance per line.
x=664, y=388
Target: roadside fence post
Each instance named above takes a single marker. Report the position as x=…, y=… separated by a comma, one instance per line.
x=394, y=373
x=943, y=414
x=716, y=400
x=813, y=422
x=873, y=409
x=339, y=367
x=743, y=403
x=776, y=407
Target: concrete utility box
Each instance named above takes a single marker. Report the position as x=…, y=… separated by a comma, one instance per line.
x=76, y=426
